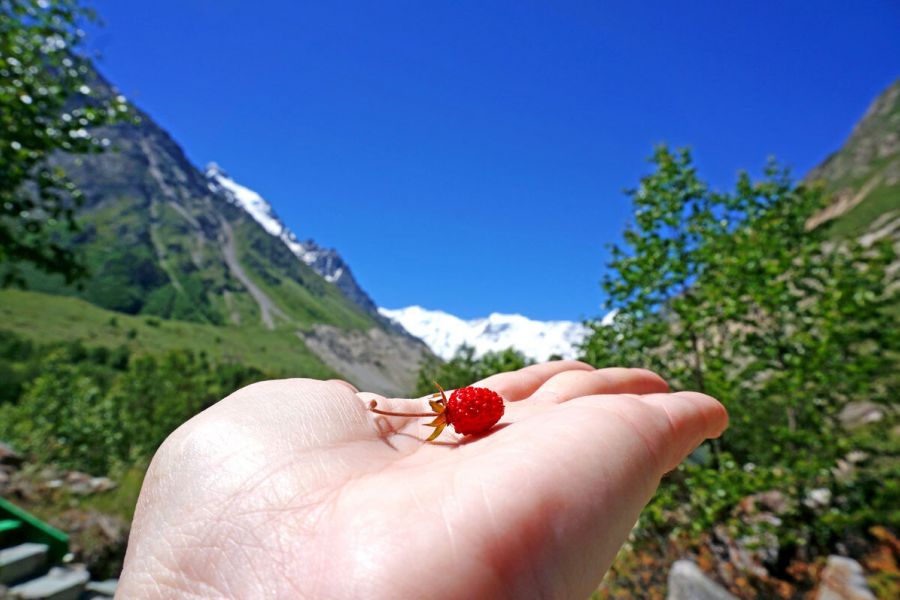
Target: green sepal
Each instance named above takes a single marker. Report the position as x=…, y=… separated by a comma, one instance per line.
x=439, y=423
x=437, y=431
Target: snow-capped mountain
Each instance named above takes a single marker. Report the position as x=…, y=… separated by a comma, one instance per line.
x=324, y=261
x=444, y=333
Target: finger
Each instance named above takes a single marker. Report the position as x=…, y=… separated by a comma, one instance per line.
x=517, y=385
x=692, y=418
x=573, y=384
x=670, y=426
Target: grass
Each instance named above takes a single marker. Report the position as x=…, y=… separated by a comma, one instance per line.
x=858, y=219
x=297, y=290
x=48, y=318
x=122, y=500
x=151, y=261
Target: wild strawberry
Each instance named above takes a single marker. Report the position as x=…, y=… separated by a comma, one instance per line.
x=470, y=410
x=473, y=410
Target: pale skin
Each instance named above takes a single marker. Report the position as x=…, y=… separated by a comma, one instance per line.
x=293, y=489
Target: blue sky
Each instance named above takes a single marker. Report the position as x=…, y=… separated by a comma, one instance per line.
x=470, y=156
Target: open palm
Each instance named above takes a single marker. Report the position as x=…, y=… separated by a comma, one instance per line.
x=293, y=489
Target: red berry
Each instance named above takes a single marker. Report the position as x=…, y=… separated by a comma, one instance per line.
x=474, y=410
x=469, y=409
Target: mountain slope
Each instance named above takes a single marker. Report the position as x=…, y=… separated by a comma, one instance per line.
x=324, y=261
x=162, y=239
x=47, y=319
x=864, y=174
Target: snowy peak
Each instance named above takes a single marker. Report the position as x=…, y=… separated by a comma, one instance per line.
x=324, y=261
x=250, y=201
x=444, y=333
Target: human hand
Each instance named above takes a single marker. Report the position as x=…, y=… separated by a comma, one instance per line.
x=293, y=489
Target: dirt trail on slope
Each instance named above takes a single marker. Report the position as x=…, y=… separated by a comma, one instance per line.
x=843, y=202
x=158, y=246
x=267, y=309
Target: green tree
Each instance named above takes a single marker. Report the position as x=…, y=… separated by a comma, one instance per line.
x=157, y=393
x=731, y=294
x=63, y=417
x=47, y=105
x=93, y=408
x=465, y=369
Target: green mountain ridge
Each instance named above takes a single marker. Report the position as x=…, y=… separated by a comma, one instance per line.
x=160, y=243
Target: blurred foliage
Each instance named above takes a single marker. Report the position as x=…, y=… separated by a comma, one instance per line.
x=96, y=409
x=46, y=106
x=464, y=369
x=730, y=294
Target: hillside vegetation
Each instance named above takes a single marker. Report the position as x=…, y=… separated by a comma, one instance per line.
x=46, y=318
x=863, y=177
x=157, y=239
x=731, y=294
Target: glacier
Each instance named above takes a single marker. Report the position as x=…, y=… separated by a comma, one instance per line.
x=445, y=333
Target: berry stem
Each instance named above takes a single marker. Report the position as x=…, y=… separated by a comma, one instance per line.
x=373, y=404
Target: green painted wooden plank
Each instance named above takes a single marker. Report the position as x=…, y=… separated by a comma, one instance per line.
x=9, y=525
x=35, y=530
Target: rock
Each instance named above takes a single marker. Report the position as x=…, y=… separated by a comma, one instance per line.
x=688, y=582
x=106, y=589
x=843, y=579
x=18, y=487
x=83, y=484
x=78, y=483
x=845, y=469
x=857, y=414
x=102, y=484
x=350, y=353
x=10, y=457
x=818, y=498
x=5, y=474
x=96, y=539
x=757, y=550
x=771, y=501
x=750, y=553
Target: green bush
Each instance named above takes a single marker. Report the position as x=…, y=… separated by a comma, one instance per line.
x=729, y=293
x=94, y=409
